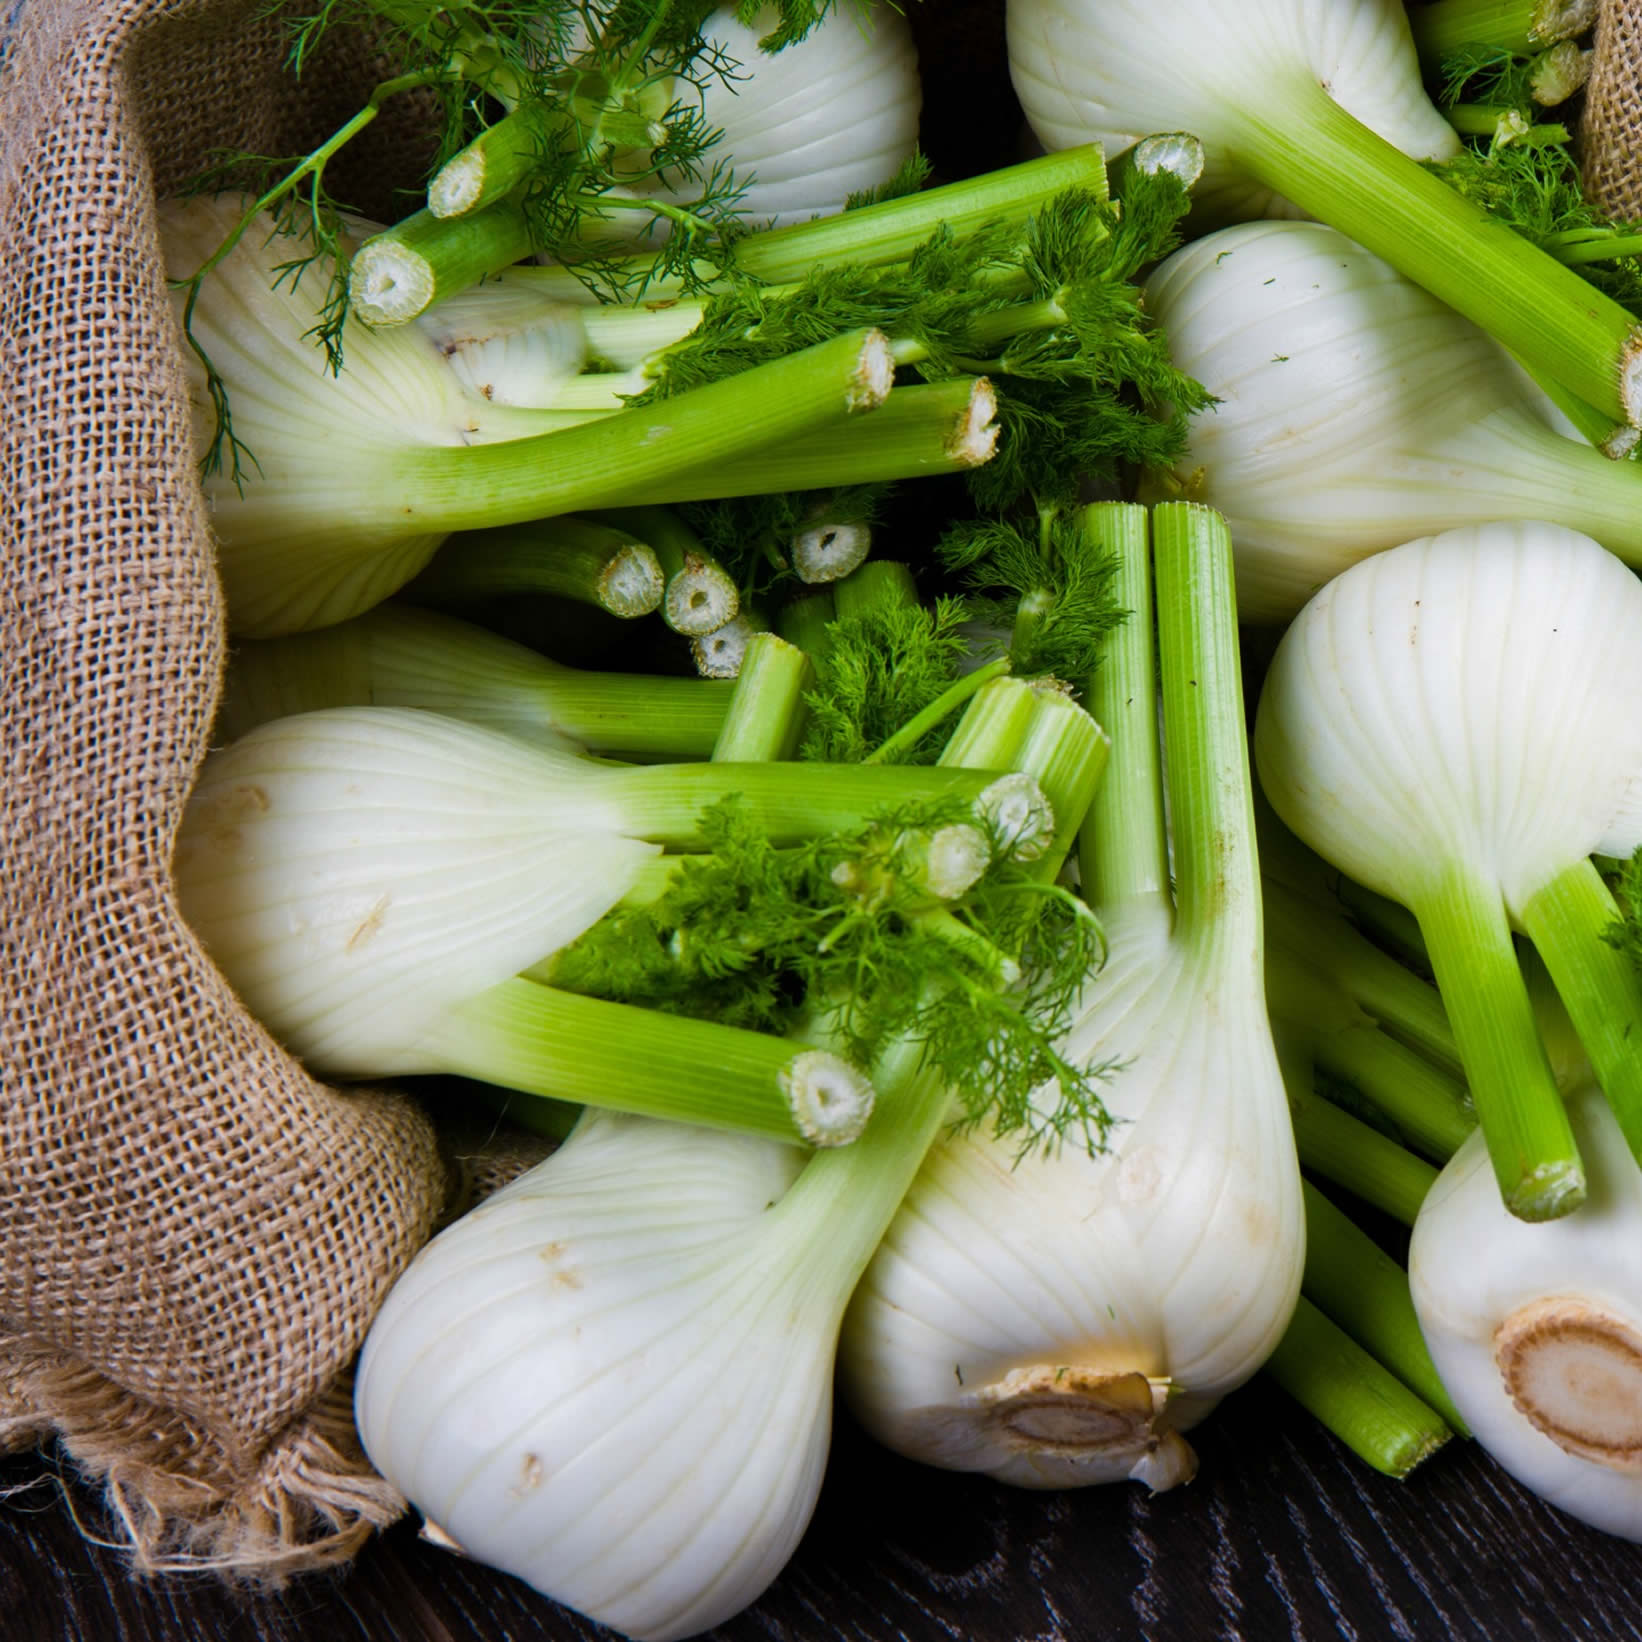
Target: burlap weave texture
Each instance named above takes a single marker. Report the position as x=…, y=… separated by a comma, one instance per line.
x=193, y=1234
x=1611, y=130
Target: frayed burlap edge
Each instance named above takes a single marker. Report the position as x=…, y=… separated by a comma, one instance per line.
x=310, y=1502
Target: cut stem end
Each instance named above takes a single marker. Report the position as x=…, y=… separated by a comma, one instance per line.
x=830, y=1100
x=1575, y=1373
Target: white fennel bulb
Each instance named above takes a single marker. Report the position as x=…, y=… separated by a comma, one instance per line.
x=371, y=880
x=1356, y=412
x=1450, y=724
x=356, y=872
x=505, y=342
x=805, y=127
x=334, y=490
x=1537, y=1330
x=614, y=1379
x=318, y=452
x=1320, y=102
x=1113, y=71
x=1060, y=1320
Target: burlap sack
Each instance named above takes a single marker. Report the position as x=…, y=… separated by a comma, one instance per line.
x=193, y=1235
x=1611, y=127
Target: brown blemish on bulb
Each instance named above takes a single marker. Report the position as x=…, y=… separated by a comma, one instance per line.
x=531, y=1473
x=369, y=924
x=564, y=1276
x=223, y=815
x=1574, y=1372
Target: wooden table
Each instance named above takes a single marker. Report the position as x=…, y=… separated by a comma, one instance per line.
x=1283, y=1535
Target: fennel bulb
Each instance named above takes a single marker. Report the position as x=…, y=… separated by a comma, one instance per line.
x=1088, y=72
x=370, y=879
x=1060, y=1320
x=1321, y=102
x=1450, y=723
x=805, y=127
x=505, y=343
x=341, y=487
x=614, y=1378
x=1356, y=411
x=1537, y=1330
x=400, y=656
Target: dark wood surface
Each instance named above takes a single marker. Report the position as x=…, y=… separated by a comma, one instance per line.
x=1283, y=1536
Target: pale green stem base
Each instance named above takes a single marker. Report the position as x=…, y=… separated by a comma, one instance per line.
x=541, y=1041
x=1428, y=1107
x=1598, y=986
x=1368, y=1408
x=1535, y=1157
x=1315, y=154
x=1349, y=1276
x=1347, y=1151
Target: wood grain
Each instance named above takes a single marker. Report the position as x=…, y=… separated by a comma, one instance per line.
x=1283, y=1535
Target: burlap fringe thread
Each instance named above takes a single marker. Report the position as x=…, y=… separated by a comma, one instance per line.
x=310, y=1501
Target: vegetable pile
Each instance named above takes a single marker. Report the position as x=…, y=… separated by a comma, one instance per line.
x=684, y=689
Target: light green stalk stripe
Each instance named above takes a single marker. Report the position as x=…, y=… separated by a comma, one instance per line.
x=873, y=235
x=1217, y=874
x=1322, y=940
x=1520, y=26
x=1068, y=752
x=945, y=704
x=1309, y=1004
x=1365, y=1162
x=1123, y=851
x=994, y=727
x=910, y=437
x=639, y=715
x=542, y=1041
x=566, y=557
x=880, y=584
x=1597, y=984
x=804, y=622
x=636, y=455
x=765, y=722
x=1530, y=1141
x=1427, y=1106
x=791, y=802
x=892, y=230
x=1597, y=249
x=1351, y=1278
x=1318, y=156
x=1366, y=1406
